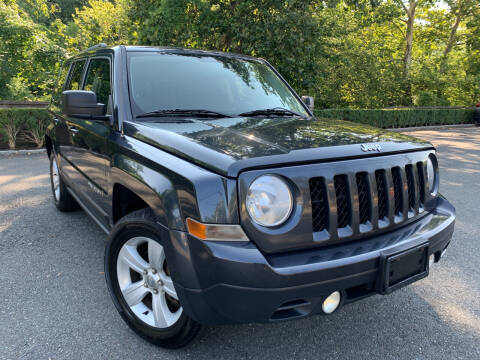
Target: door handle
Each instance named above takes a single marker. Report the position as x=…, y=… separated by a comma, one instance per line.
x=73, y=130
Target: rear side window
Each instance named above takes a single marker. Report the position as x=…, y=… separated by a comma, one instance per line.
x=98, y=79
x=75, y=80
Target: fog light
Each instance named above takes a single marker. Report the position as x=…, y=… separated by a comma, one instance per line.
x=331, y=302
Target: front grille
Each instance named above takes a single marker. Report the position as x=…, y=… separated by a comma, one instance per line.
x=382, y=192
x=397, y=188
x=320, y=210
x=364, y=201
x=421, y=182
x=367, y=197
x=411, y=187
x=343, y=201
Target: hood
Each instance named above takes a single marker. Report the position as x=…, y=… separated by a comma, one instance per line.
x=229, y=146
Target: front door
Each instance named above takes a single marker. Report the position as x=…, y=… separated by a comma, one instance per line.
x=64, y=126
x=89, y=141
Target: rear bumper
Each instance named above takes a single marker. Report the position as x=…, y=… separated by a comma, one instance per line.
x=231, y=282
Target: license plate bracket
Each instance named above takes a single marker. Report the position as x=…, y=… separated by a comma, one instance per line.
x=403, y=268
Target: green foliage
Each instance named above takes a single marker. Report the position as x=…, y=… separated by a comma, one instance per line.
x=345, y=53
x=28, y=54
x=400, y=118
x=35, y=126
x=98, y=21
x=18, y=89
x=27, y=122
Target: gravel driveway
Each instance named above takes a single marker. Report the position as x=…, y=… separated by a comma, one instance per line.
x=54, y=301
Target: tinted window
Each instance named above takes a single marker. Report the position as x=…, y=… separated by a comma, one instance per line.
x=75, y=81
x=98, y=79
x=61, y=80
x=218, y=83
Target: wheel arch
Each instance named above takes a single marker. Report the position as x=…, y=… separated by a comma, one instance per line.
x=48, y=145
x=135, y=186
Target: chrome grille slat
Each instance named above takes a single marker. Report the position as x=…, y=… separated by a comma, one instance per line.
x=345, y=205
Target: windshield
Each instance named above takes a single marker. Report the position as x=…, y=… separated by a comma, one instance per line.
x=221, y=84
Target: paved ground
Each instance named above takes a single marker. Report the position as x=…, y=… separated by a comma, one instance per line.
x=54, y=302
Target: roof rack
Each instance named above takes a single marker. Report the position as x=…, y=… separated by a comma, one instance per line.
x=101, y=45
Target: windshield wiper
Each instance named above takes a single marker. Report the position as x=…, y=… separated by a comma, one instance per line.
x=273, y=111
x=183, y=112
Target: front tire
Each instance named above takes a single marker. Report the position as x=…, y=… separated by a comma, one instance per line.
x=61, y=197
x=139, y=281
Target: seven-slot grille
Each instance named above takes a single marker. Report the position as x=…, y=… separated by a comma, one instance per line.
x=367, y=200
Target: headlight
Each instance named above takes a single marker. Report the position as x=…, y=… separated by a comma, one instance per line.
x=431, y=173
x=269, y=200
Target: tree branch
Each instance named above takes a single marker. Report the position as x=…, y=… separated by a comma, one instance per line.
x=403, y=5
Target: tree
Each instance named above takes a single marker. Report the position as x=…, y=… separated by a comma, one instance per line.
x=98, y=21
x=460, y=10
x=29, y=56
x=285, y=32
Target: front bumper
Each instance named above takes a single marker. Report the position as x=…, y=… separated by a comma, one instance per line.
x=221, y=282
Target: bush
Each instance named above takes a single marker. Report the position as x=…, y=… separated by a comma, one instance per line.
x=28, y=123
x=399, y=118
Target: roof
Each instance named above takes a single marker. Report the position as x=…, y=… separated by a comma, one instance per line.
x=164, y=49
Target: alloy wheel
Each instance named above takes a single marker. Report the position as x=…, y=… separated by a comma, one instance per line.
x=55, y=179
x=146, y=284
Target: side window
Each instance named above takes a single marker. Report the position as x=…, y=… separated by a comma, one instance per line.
x=75, y=80
x=60, y=84
x=98, y=79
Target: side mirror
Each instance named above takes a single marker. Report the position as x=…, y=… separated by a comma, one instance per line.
x=83, y=104
x=308, y=100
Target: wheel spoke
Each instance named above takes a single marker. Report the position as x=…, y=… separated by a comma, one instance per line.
x=134, y=293
x=161, y=313
x=168, y=286
x=130, y=256
x=156, y=254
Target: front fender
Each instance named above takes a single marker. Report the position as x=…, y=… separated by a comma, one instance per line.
x=174, y=188
x=155, y=189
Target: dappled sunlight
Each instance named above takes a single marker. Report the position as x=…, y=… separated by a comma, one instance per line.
x=30, y=201
x=447, y=303
x=7, y=178
x=451, y=183
x=10, y=184
x=465, y=139
x=4, y=225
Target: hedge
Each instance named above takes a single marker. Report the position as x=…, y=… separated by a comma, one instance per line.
x=28, y=125
x=400, y=118
x=25, y=125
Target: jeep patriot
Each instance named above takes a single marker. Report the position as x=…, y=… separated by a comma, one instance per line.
x=226, y=200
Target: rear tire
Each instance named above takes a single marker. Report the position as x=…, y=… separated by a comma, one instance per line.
x=62, y=198
x=138, y=278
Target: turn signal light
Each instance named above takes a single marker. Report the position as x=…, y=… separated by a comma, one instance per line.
x=216, y=232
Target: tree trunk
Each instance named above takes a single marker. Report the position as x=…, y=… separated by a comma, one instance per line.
x=453, y=36
x=407, y=60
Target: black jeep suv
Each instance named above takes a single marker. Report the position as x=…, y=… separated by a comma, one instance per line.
x=225, y=200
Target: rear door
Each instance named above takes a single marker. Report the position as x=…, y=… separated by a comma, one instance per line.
x=89, y=140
